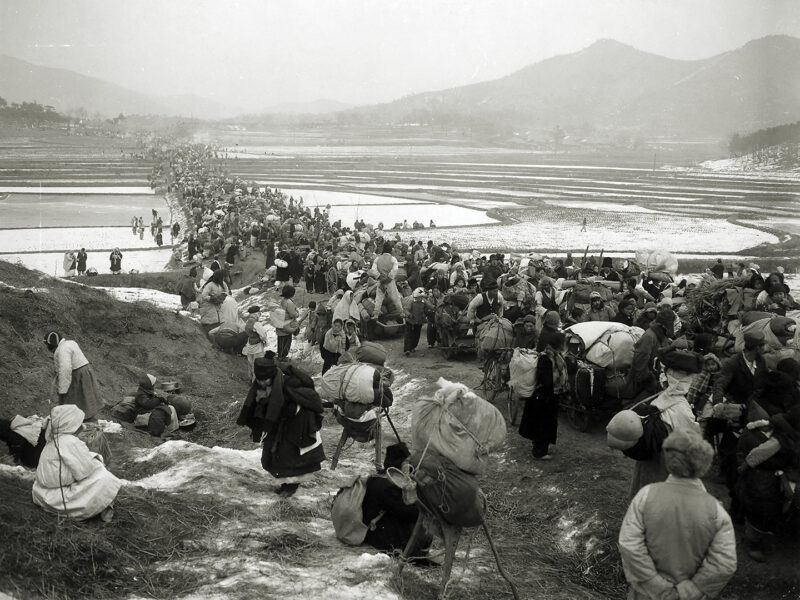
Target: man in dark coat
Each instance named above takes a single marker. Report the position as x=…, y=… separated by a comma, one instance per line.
x=718, y=270
x=642, y=380
x=289, y=411
x=742, y=376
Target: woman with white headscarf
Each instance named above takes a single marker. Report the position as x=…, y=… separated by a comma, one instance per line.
x=71, y=480
x=75, y=379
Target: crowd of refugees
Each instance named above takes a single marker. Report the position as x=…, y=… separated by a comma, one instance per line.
x=740, y=411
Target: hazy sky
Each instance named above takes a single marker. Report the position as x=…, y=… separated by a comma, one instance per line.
x=256, y=53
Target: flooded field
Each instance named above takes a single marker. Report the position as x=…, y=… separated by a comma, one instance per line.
x=479, y=198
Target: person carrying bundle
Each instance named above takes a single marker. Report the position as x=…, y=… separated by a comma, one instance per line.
x=284, y=413
x=484, y=305
x=540, y=417
x=384, y=269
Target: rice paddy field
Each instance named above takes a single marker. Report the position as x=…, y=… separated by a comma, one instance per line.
x=71, y=192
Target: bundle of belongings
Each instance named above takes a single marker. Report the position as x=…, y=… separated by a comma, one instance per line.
x=452, y=434
x=605, y=353
x=25, y=439
x=158, y=414
x=360, y=392
x=494, y=334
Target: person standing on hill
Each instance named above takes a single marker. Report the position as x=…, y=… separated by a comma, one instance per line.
x=69, y=263
x=82, y=258
x=75, y=381
x=116, y=261
x=718, y=270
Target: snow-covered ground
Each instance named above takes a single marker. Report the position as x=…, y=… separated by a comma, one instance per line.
x=52, y=262
x=605, y=229
x=73, y=238
x=117, y=189
x=331, y=569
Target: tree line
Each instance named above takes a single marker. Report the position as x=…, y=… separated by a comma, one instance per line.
x=29, y=113
x=764, y=138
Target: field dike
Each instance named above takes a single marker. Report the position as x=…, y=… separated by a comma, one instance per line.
x=198, y=516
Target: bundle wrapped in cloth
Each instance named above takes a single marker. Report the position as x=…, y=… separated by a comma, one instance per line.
x=494, y=333
x=356, y=382
x=458, y=425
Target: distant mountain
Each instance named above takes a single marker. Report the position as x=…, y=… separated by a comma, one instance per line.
x=66, y=90
x=612, y=85
x=313, y=107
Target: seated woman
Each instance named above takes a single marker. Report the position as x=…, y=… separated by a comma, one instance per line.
x=71, y=480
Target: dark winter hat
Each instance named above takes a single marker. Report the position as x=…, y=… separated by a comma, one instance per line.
x=147, y=381
x=607, y=264
x=667, y=319
x=491, y=284
x=551, y=319
x=253, y=309
x=753, y=340
x=790, y=367
x=703, y=343
x=264, y=368
x=287, y=291
x=556, y=340
x=395, y=455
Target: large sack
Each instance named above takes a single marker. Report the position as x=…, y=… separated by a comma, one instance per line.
x=768, y=327
x=458, y=425
x=347, y=514
x=372, y=353
x=355, y=382
x=614, y=348
x=657, y=260
x=452, y=491
x=522, y=368
x=591, y=331
x=495, y=333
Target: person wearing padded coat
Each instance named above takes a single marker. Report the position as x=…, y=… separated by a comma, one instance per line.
x=676, y=540
x=75, y=380
x=539, y=421
x=284, y=412
x=71, y=480
x=414, y=308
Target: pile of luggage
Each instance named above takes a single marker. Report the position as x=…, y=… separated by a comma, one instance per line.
x=452, y=435
x=359, y=386
x=603, y=353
